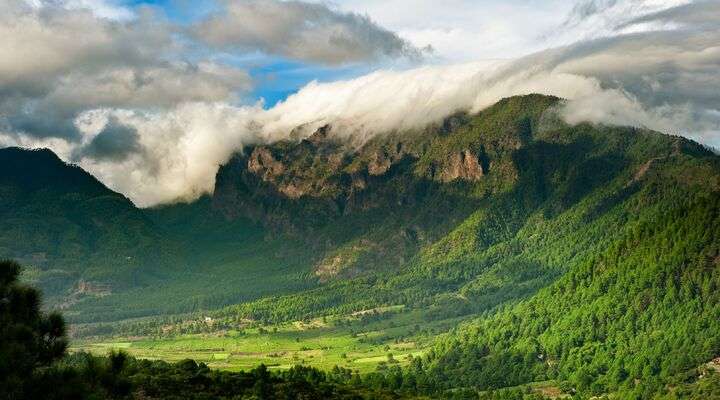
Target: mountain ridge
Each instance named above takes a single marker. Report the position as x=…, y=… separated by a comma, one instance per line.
x=57, y=216
x=330, y=212
x=520, y=235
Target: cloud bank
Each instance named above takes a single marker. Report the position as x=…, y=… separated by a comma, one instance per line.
x=303, y=31
x=58, y=62
x=156, y=129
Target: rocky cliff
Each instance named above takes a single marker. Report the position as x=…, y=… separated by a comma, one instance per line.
x=391, y=195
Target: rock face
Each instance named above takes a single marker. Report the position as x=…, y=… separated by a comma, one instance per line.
x=463, y=165
x=263, y=164
x=293, y=191
x=329, y=192
x=321, y=178
x=293, y=170
x=379, y=164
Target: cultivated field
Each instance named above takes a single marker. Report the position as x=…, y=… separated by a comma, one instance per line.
x=361, y=342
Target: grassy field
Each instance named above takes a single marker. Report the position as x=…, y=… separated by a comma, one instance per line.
x=362, y=341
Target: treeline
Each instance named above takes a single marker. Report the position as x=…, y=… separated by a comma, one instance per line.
x=119, y=376
x=34, y=365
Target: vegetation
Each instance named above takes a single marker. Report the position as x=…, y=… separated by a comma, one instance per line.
x=29, y=339
x=359, y=342
x=626, y=320
x=97, y=257
x=499, y=255
x=33, y=365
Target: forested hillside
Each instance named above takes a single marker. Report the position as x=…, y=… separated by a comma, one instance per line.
x=98, y=257
x=631, y=315
x=82, y=239
x=626, y=219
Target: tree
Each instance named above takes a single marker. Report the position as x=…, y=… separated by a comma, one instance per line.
x=30, y=340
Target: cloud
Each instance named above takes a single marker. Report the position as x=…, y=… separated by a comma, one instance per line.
x=41, y=43
x=380, y=102
x=178, y=151
x=157, y=130
x=462, y=31
x=110, y=9
x=116, y=142
x=591, y=19
x=61, y=59
x=662, y=79
x=702, y=13
x=302, y=31
x=671, y=73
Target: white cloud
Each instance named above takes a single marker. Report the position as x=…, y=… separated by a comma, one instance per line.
x=179, y=150
x=466, y=30
x=109, y=9
x=300, y=30
x=102, y=8
x=591, y=19
x=59, y=60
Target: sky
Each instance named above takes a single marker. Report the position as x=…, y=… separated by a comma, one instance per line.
x=152, y=96
x=453, y=31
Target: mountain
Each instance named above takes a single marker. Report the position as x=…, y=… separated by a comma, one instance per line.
x=98, y=257
x=425, y=230
x=373, y=206
x=636, y=307
x=591, y=251
x=81, y=238
x=583, y=254
x=608, y=236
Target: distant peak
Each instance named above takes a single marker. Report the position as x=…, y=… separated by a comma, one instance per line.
x=39, y=152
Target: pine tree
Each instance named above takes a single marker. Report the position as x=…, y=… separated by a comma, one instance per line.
x=30, y=340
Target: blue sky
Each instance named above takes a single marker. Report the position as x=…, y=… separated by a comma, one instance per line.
x=181, y=11
x=274, y=77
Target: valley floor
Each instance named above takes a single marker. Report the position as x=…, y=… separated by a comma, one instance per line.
x=362, y=342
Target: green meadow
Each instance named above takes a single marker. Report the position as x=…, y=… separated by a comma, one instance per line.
x=363, y=342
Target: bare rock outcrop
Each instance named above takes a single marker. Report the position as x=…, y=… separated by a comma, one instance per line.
x=379, y=164
x=462, y=165
x=263, y=164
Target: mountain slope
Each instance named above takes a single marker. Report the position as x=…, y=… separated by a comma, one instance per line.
x=98, y=257
x=457, y=219
x=632, y=315
x=384, y=224
x=625, y=218
x=581, y=253
x=72, y=229
x=549, y=198
x=373, y=207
